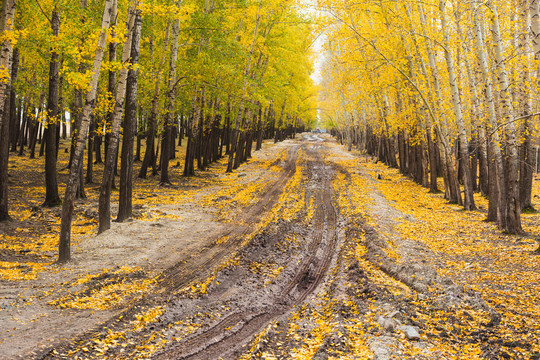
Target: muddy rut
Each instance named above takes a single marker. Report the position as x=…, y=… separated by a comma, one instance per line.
x=225, y=338
x=182, y=274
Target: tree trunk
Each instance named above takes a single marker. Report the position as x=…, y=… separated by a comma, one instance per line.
x=97, y=140
x=64, y=252
x=483, y=181
x=15, y=111
x=23, y=136
x=181, y=128
x=474, y=162
x=433, y=186
x=493, y=187
x=6, y=25
x=495, y=166
x=174, y=134
x=451, y=184
x=193, y=120
x=62, y=113
x=138, y=147
x=111, y=85
x=42, y=138
x=51, y=180
x=90, y=151
x=4, y=156
x=112, y=152
x=529, y=35
x=227, y=135
x=513, y=208
x=125, y=209
x=260, y=127
x=9, y=125
x=235, y=138
x=148, y=159
x=169, y=117
x=36, y=128
x=462, y=135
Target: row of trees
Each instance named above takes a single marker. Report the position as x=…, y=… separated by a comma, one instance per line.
x=223, y=73
x=450, y=87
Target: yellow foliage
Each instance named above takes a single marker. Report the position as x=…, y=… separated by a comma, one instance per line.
x=473, y=254
x=150, y=316
x=108, y=295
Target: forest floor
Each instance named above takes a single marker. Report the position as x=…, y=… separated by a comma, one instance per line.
x=303, y=252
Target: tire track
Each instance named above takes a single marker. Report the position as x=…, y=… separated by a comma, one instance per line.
x=199, y=266
x=182, y=274
x=225, y=338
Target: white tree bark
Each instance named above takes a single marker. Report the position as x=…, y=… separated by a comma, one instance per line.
x=64, y=253
x=168, y=121
x=473, y=86
x=458, y=112
x=428, y=124
x=6, y=26
x=534, y=10
x=452, y=191
x=108, y=172
x=513, y=209
x=525, y=101
x=494, y=141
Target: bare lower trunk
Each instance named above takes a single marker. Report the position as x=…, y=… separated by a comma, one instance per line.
x=493, y=189
x=235, y=138
x=193, y=123
x=90, y=152
x=526, y=170
x=482, y=162
x=433, y=187
x=148, y=159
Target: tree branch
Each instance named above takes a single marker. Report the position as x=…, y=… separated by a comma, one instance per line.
x=512, y=121
x=43, y=12
x=389, y=62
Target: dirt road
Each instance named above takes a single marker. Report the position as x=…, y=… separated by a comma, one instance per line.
x=276, y=265
x=305, y=265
